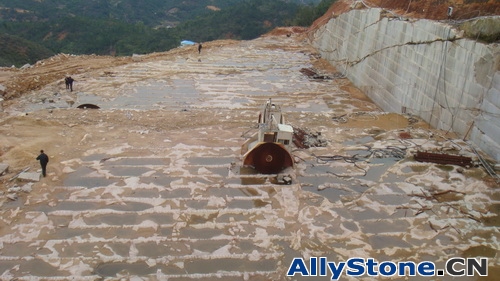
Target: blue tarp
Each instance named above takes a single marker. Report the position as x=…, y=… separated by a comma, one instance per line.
x=187, y=42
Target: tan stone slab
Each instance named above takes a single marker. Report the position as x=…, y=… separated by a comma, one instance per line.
x=29, y=176
x=3, y=168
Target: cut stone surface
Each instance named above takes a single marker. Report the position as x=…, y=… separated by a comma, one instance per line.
x=29, y=176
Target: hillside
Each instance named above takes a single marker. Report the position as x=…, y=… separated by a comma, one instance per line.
x=123, y=28
x=153, y=13
x=19, y=51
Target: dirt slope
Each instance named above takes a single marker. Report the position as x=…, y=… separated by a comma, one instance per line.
x=427, y=9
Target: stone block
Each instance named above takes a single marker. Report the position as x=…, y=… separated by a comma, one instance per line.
x=29, y=176
x=3, y=168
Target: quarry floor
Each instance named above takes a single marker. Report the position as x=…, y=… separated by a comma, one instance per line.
x=150, y=186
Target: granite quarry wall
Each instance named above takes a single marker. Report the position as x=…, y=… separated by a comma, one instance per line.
x=422, y=67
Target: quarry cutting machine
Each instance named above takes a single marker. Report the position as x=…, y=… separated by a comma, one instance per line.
x=268, y=150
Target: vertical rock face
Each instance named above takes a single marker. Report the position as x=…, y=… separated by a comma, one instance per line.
x=422, y=67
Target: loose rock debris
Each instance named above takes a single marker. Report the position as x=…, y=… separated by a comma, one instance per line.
x=313, y=74
x=307, y=139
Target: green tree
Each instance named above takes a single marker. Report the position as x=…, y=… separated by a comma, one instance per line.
x=308, y=14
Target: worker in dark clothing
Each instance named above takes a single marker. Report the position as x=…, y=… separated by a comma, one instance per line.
x=69, y=83
x=199, y=48
x=44, y=160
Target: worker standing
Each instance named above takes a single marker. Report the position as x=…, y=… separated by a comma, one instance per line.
x=44, y=160
x=69, y=83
